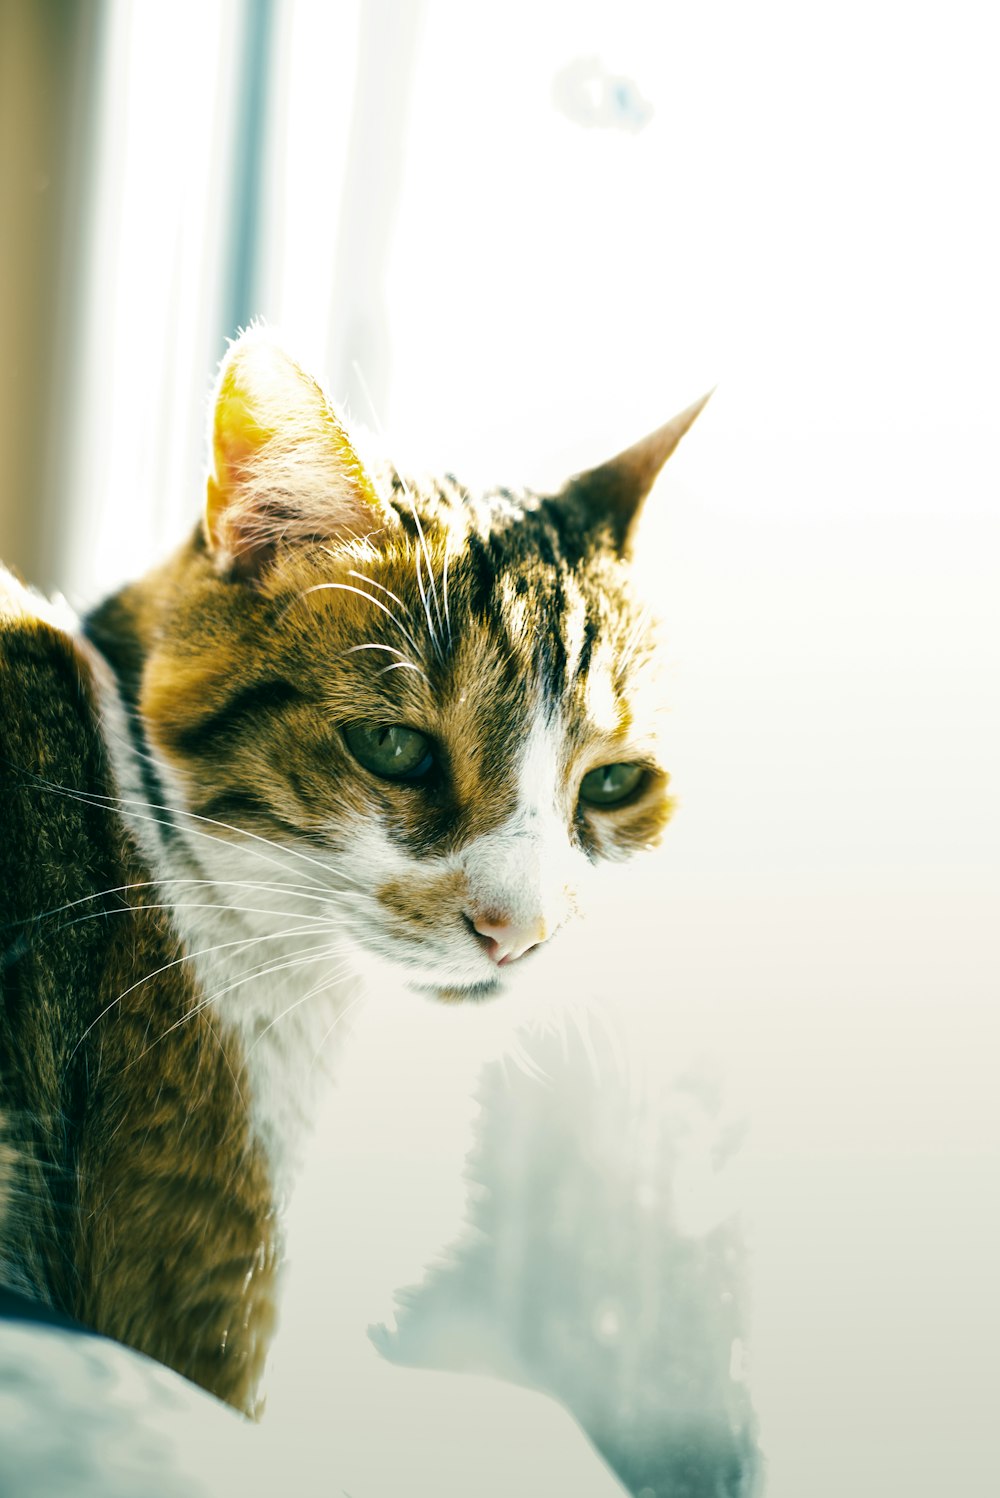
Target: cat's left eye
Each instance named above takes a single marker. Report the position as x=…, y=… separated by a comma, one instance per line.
x=391, y=750
x=611, y=784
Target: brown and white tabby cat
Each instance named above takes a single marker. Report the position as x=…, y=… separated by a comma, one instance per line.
x=356, y=728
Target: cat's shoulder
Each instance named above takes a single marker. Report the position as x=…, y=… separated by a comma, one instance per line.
x=54, y=766
x=41, y=650
x=39, y=646
x=49, y=715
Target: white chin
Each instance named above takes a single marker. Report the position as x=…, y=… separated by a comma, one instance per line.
x=431, y=978
x=450, y=992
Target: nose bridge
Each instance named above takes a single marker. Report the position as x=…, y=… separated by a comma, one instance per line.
x=507, y=876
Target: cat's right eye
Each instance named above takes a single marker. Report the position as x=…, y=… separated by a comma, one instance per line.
x=610, y=785
x=391, y=751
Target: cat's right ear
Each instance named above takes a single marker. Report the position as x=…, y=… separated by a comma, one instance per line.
x=283, y=468
x=610, y=497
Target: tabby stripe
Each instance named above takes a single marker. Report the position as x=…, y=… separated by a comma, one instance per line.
x=229, y=806
x=152, y=785
x=550, y=653
x=127, y=671
x=482, y=576
x=246, y=702
x=590, y=633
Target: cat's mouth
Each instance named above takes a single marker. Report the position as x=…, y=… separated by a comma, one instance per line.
x=449, y=984
x=442, y=975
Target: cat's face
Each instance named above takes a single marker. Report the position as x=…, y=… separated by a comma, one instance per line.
x=449, y=703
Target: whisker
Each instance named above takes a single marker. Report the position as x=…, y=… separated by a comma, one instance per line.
x=222, y=946
x=114, y=803
x=301, y=959
x=423, y=599
x=371, y=645
x=320, y=987
x=349, y=588
x=229, y=1065
x=364, y=578
x=301, y=892
x=330, y=1029
x=96, y=915
x=390, y=650
x=402, y=666
x=179, y=811
x=95, y=798
x=430, y=571
x=444, y=592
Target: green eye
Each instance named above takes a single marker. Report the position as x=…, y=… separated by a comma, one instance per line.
x=394, y=752
x=610, y=784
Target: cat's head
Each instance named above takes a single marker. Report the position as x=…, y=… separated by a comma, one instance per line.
x=448, y=701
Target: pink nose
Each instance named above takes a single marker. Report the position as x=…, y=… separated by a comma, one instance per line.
x=505, y=941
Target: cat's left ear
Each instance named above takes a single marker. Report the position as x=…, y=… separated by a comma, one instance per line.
x=611, y=496
x=283, y=467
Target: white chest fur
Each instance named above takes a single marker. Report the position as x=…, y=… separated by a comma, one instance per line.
x=281, y=982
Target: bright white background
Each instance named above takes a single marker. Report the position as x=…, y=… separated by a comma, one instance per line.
x=807, y=217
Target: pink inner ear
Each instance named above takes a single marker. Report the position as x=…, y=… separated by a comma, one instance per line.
x=284, y=468
x=236, y=527
x=233, y=454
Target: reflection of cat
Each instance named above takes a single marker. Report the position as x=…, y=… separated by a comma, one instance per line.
x=353, y=725
x=584, y=1274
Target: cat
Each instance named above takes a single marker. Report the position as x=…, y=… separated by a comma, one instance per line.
x=357, y=730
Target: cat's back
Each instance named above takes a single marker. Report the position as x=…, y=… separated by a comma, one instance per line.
x=64, y=858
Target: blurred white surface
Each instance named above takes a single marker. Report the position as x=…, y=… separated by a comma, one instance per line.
x=81, y=1417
